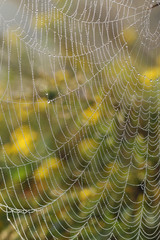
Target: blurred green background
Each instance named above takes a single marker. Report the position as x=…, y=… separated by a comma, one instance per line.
x=79, y=132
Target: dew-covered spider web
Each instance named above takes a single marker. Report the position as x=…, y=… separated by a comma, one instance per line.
x=80, y=119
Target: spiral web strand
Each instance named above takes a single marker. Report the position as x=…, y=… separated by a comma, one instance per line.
x=80, y=119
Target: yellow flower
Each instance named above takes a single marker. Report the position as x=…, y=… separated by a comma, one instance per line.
x=91, y=115
x=44, y=170
x=130, y=35
x=98, y=99
x=23, y=109
x=21, y=141
x=14, y=36
x=41, y=104
x=112, y=168
x=87, y=145
x=86, y=193
x=61, y=76
x=150, y=75
x=45, y=19
x=41, y=20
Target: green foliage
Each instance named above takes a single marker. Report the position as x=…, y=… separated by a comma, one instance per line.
x=92, y=159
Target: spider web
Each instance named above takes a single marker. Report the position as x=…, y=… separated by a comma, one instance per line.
x=80, y=119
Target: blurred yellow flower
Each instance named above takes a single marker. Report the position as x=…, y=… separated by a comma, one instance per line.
x=14, y=36
x=87, y=145
x=41, y=20
x=21, y=141
x=44, y=170
x=44, y=19
x=91, y=115
x=98, y=99
x=150, y=75
x=41, y=104
x=130, y=35
x=112, y=168
x=23, y=109
x=86, y=193
x=61, y=76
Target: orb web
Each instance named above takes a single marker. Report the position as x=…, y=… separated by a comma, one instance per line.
x=79, y=130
